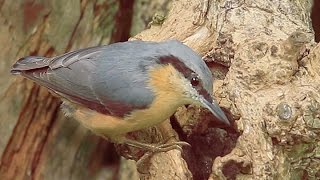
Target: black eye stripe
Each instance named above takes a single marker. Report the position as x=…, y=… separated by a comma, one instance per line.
x=182, y=68
x=187, y=73
x=205, y=94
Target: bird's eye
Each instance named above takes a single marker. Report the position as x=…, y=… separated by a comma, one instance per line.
x=194, y=81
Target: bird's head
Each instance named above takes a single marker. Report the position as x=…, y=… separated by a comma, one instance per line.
x=183, y=77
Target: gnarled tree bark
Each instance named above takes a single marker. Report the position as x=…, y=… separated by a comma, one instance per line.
x=262, y=54
x=265, y=55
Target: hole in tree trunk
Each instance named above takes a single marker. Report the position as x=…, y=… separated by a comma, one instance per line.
x=208, y=139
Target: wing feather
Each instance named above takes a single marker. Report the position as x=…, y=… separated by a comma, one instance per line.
x=93, y=77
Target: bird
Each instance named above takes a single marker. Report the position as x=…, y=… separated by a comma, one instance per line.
x=126, y=86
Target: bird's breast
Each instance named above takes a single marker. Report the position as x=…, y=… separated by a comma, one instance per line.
x=158, y=111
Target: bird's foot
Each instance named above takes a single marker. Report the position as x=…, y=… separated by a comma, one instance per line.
x=156, y=148
x=151, y=149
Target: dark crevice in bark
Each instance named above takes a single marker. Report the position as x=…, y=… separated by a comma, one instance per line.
x=205, y=147
x=104, y=155
x=315, y=17
x=123, y=20
x=176, y=126
x=216, y=140
x=231, y=169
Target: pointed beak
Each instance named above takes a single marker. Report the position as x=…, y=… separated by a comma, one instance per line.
x=215, y=110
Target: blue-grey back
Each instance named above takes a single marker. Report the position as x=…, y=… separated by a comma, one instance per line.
x=111, y=79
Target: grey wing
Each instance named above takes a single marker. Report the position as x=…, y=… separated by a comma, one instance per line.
x=77, y=77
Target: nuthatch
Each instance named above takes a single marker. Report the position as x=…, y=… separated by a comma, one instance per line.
x=125, y=87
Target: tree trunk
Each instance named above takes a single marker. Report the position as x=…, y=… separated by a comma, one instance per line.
x=37, y=141
x=263, y=57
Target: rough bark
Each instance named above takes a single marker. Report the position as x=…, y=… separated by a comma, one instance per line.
x=37, y=141
x=262, y=54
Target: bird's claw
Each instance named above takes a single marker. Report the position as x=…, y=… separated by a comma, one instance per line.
x=163, y=147
x=169, y=146
x=159, y=148
x=151, y=149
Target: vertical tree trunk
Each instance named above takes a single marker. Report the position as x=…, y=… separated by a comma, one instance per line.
x=263, y=57
x=37, y=141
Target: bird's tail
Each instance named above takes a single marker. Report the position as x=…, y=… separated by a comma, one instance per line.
x=29, y=63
